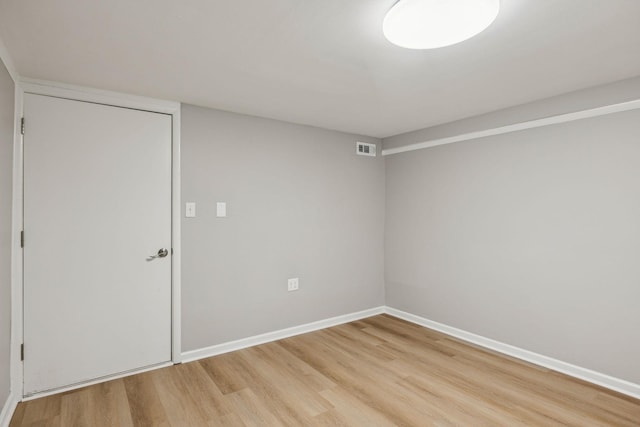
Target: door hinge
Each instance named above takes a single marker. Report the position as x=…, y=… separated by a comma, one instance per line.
x=22, y=126
x=21, y=351
x=22, y=239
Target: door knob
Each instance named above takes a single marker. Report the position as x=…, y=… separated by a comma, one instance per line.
x=161, y=254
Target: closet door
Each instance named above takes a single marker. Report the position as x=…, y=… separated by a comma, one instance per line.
x=97, y=242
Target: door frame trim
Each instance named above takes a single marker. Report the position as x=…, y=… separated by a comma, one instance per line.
x=116, y=99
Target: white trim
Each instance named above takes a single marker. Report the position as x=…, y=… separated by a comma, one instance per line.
x=190, y=356
x=594, y=377
x=552, y=120
x=16, y=250
x=82, y=384
x=176, y=258
x=80, y=93
x=8, y=409
x=588, y=375
x=8, y=62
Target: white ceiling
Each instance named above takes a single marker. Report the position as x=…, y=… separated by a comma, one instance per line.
x=321, y=62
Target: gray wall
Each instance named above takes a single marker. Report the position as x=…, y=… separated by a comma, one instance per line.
x=530, y=238
x=301, y=203
x=6, y=182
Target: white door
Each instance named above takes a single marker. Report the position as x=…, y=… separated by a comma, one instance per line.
x=97, y=205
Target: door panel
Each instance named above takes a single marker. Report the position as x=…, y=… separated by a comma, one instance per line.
x=97, y=204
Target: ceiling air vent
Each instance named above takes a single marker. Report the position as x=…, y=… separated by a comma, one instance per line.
x=365, y=149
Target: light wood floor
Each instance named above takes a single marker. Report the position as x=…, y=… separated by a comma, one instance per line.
x=379, y=371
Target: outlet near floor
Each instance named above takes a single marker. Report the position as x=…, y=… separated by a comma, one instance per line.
x=292, y=284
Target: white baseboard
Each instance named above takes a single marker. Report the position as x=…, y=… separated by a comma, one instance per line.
x=8, y=409
x=214, y=350
x=594, y=377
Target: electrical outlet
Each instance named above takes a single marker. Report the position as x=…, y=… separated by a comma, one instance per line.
x=292, y=284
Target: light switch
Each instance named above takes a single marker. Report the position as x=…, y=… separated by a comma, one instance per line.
x=190, y=210
x=221, y=209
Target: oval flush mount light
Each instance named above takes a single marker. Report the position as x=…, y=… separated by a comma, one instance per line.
x=429, y=24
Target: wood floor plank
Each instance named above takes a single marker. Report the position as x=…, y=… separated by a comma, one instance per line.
x=477, y=377
x=292, y=366
x=331, y=419
x=70, y=416
x=37, y=410
x=352, y=410
x=379, y=371
x=282, y=404
x=18, y=415
x=226, y=372
x=173, y=392
x=302, y=399
x=144, y=402
x=208, y=399
x=49, y=422
x=252, y=410
x=228, y=420
x=108, y=405
x=363, y=379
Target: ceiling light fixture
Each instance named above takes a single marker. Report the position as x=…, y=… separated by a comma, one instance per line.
x=429, y=24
